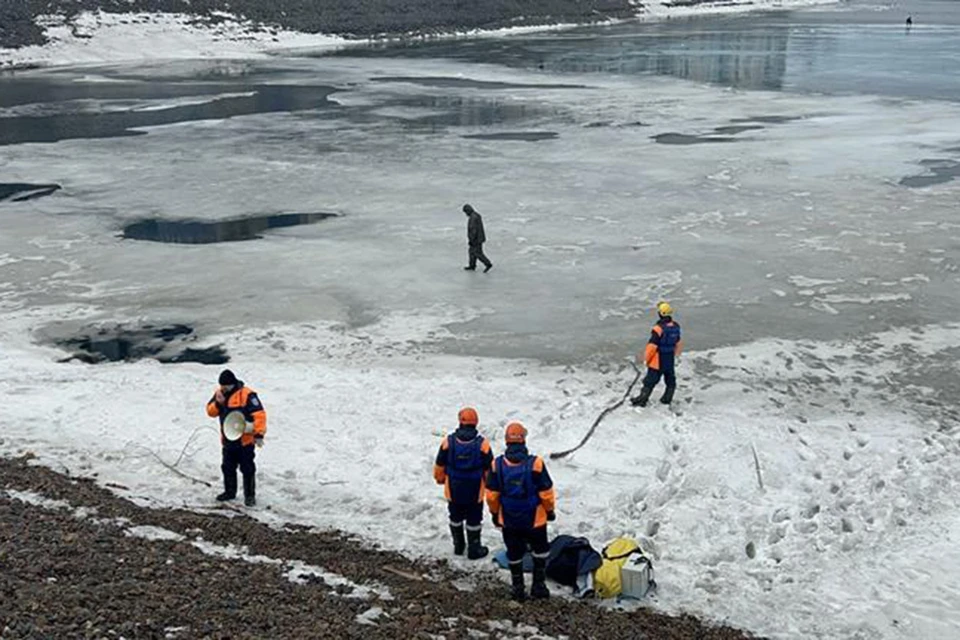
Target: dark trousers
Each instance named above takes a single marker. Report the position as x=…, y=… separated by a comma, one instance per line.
x=653, y=377
x=518, y=540
x=234, y=455
x=471, y=512
x=476, y=253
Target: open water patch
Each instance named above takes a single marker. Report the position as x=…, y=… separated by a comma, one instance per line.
x=167, y=344
x=733, y=130
x=515, y=136
x=22, y=191
x=939, y=171
x=208, y=232
x=686, y=139
x=467, y=83
x=767, y=119
x=725, y=133
x=254, y=99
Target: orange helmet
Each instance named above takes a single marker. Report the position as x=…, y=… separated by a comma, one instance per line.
x=468, y=415
x=516, y=433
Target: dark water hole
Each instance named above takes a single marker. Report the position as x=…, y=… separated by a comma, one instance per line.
x=22, y=191
x=204, y=232
x=119, y=344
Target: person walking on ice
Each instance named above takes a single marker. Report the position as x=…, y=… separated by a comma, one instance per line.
x=475, y=239
x=660, y=356
x=460, y=466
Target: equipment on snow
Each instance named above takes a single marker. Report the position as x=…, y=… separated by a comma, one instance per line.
x=609, y=580
x=636, y=577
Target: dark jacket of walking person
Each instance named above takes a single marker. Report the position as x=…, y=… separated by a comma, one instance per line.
x=475, y=239
x=660, y=356
x=521, y=499
x=461, y=464
x=232, y=396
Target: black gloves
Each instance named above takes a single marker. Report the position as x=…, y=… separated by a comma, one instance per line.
x=551, y=516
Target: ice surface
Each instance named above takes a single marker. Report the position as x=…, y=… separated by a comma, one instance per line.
x=587, y=229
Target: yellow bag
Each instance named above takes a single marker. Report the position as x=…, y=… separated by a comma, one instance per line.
x=606, y=580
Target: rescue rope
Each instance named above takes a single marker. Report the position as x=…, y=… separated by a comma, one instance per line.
x=177, y=471
x=173, y=467
x=560, y=454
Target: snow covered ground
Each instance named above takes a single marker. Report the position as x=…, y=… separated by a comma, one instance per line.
x=111, y=37
x=796, y=244
x=853, y=535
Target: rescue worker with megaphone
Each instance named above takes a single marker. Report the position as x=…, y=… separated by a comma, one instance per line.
x=521, y=499
x=229, y=397
x=460, y=466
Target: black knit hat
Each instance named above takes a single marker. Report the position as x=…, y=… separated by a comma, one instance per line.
x=467, y=208
x=227, y=377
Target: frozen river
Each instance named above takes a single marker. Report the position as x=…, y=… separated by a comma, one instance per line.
x=787, y=174
x=789, y=181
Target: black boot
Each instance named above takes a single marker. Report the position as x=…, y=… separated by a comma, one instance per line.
x=517, y=589
x=459, y=542
x=250, y=490
x=641, y=400
x=229, y=487
x=667, y=396
x=538, y=590
x=475, y=550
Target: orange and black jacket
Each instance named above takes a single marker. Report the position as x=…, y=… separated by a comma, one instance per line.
x=664, y=345
x=241, y=399
x=462, y=462
x=519, y=489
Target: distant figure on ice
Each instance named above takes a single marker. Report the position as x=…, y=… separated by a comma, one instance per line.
x=660, y=357
x=475, y=239
x=238, y=439
x=521, y=499
x=461, y=464
x=909, y=21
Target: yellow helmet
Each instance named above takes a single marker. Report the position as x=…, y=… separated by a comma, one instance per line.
x=664, y=309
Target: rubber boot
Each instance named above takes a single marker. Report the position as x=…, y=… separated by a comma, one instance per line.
x=641, y=400
x=250, y=490
x=517, y=589
x=459, y=543
x=538, y=590
x=475, y=550
x=667, y=396
x=229, y=487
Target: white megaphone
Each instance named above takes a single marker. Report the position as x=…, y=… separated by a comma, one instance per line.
x=235, y=425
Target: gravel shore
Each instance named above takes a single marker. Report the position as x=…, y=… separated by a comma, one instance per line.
x=83, y=568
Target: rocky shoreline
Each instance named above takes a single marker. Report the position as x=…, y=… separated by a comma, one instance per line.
x=78, y=561
x=347, y=18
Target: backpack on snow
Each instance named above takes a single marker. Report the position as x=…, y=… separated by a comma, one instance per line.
x=609, y=579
